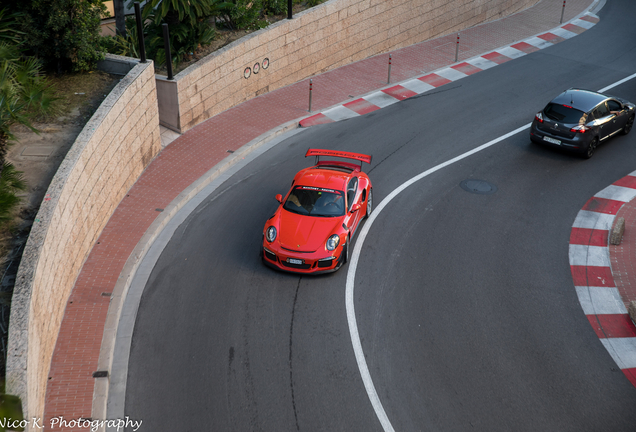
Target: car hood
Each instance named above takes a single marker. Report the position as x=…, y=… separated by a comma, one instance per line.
x=305, y=233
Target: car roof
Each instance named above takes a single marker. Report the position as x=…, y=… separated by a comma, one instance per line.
x=583, y=100
x=323, y=177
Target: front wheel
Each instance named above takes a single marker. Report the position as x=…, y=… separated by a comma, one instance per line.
x=589, y=152
x=344, y=256
x=628, y=125
x=345, y=252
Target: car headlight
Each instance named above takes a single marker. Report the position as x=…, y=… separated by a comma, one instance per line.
x=333, y=241
x=270, y=234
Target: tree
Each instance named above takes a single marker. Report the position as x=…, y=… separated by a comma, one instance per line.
x=64, y=34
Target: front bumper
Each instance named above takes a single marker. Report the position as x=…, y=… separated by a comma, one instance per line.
x=311, y=263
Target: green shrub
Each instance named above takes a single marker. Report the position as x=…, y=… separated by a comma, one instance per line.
x=189, y=25
x=11, y=182
x=275, y=7
x=64, y=34
x=245, y=14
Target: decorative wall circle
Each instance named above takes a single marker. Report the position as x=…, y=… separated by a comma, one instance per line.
x=247, y=72
x=265, y=63
x=257, y=67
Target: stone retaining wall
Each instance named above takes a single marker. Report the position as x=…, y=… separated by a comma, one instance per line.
x=111, y=152
x=330, y=35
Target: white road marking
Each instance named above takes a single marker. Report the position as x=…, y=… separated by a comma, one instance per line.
x=593, y=220
x=451, y=74
x=340, y=113
x=617, y=193
x=381, y=99
x=565, y=34
x=622, y=350
x=600, y=300
x=355, y=257
x=583, y=23
x=585, y=255
x=511, y=52
x=481, y=63
x=351, y=274
x=418, y=86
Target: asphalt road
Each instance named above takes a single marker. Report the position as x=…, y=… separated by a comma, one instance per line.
x=466, y=308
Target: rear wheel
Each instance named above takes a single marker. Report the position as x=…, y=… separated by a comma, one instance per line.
x=628, y=125
x=369, y=203
x=591, y=148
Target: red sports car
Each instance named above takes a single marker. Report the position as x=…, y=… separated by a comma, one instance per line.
x=311, y=230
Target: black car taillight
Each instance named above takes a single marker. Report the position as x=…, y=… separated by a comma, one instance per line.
x=538, y=117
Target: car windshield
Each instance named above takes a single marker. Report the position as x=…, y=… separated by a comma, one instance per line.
x=564, y=114
x=313, y=201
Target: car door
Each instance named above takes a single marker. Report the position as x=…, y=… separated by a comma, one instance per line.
x=604, y=121
x=353, y=198
x=620, y=115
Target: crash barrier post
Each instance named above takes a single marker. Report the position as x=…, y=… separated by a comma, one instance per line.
x=562, y=12
x=457, y=48
x=389, y=79
x=166, y=44
x=140, y=33
x=311, y=83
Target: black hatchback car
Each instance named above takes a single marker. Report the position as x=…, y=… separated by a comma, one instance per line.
x=581, y=119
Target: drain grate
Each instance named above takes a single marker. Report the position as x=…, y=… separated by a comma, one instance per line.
x=478, y=186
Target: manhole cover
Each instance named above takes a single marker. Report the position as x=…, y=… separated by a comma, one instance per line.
x=478, y=186
x=42, y=151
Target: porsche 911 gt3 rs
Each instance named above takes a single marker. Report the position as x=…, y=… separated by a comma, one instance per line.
x=312, y=228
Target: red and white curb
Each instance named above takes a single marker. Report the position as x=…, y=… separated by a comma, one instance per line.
x=592, y=273
x=416, y=86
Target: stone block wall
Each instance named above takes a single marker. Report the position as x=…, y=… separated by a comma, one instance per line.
x=330, y=35
x=111, y=152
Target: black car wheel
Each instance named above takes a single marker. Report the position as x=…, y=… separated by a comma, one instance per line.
x=589, y=152
x=369, y=203
x=345, y=252
x=628, y=125
x=344, y=256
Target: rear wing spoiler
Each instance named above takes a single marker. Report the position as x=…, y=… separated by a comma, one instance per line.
x=336, y=153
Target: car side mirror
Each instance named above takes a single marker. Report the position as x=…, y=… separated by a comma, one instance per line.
x=279, y=198
x=355, y=208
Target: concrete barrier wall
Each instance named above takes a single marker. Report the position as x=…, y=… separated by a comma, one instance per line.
x=111, y=152
x=330, y=35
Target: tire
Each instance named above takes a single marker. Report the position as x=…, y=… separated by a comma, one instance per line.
x=591, y=148
x=345, y=252
x=369, y=203
x=628, y=125
x=344, y=256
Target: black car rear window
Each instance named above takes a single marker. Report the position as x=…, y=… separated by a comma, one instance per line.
x=562, y=113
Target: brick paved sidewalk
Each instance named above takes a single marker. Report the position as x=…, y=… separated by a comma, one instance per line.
x=71, y=384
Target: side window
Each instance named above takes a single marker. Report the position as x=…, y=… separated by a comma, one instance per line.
x=601, y=111
x=352, y=187
x=613, y=105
